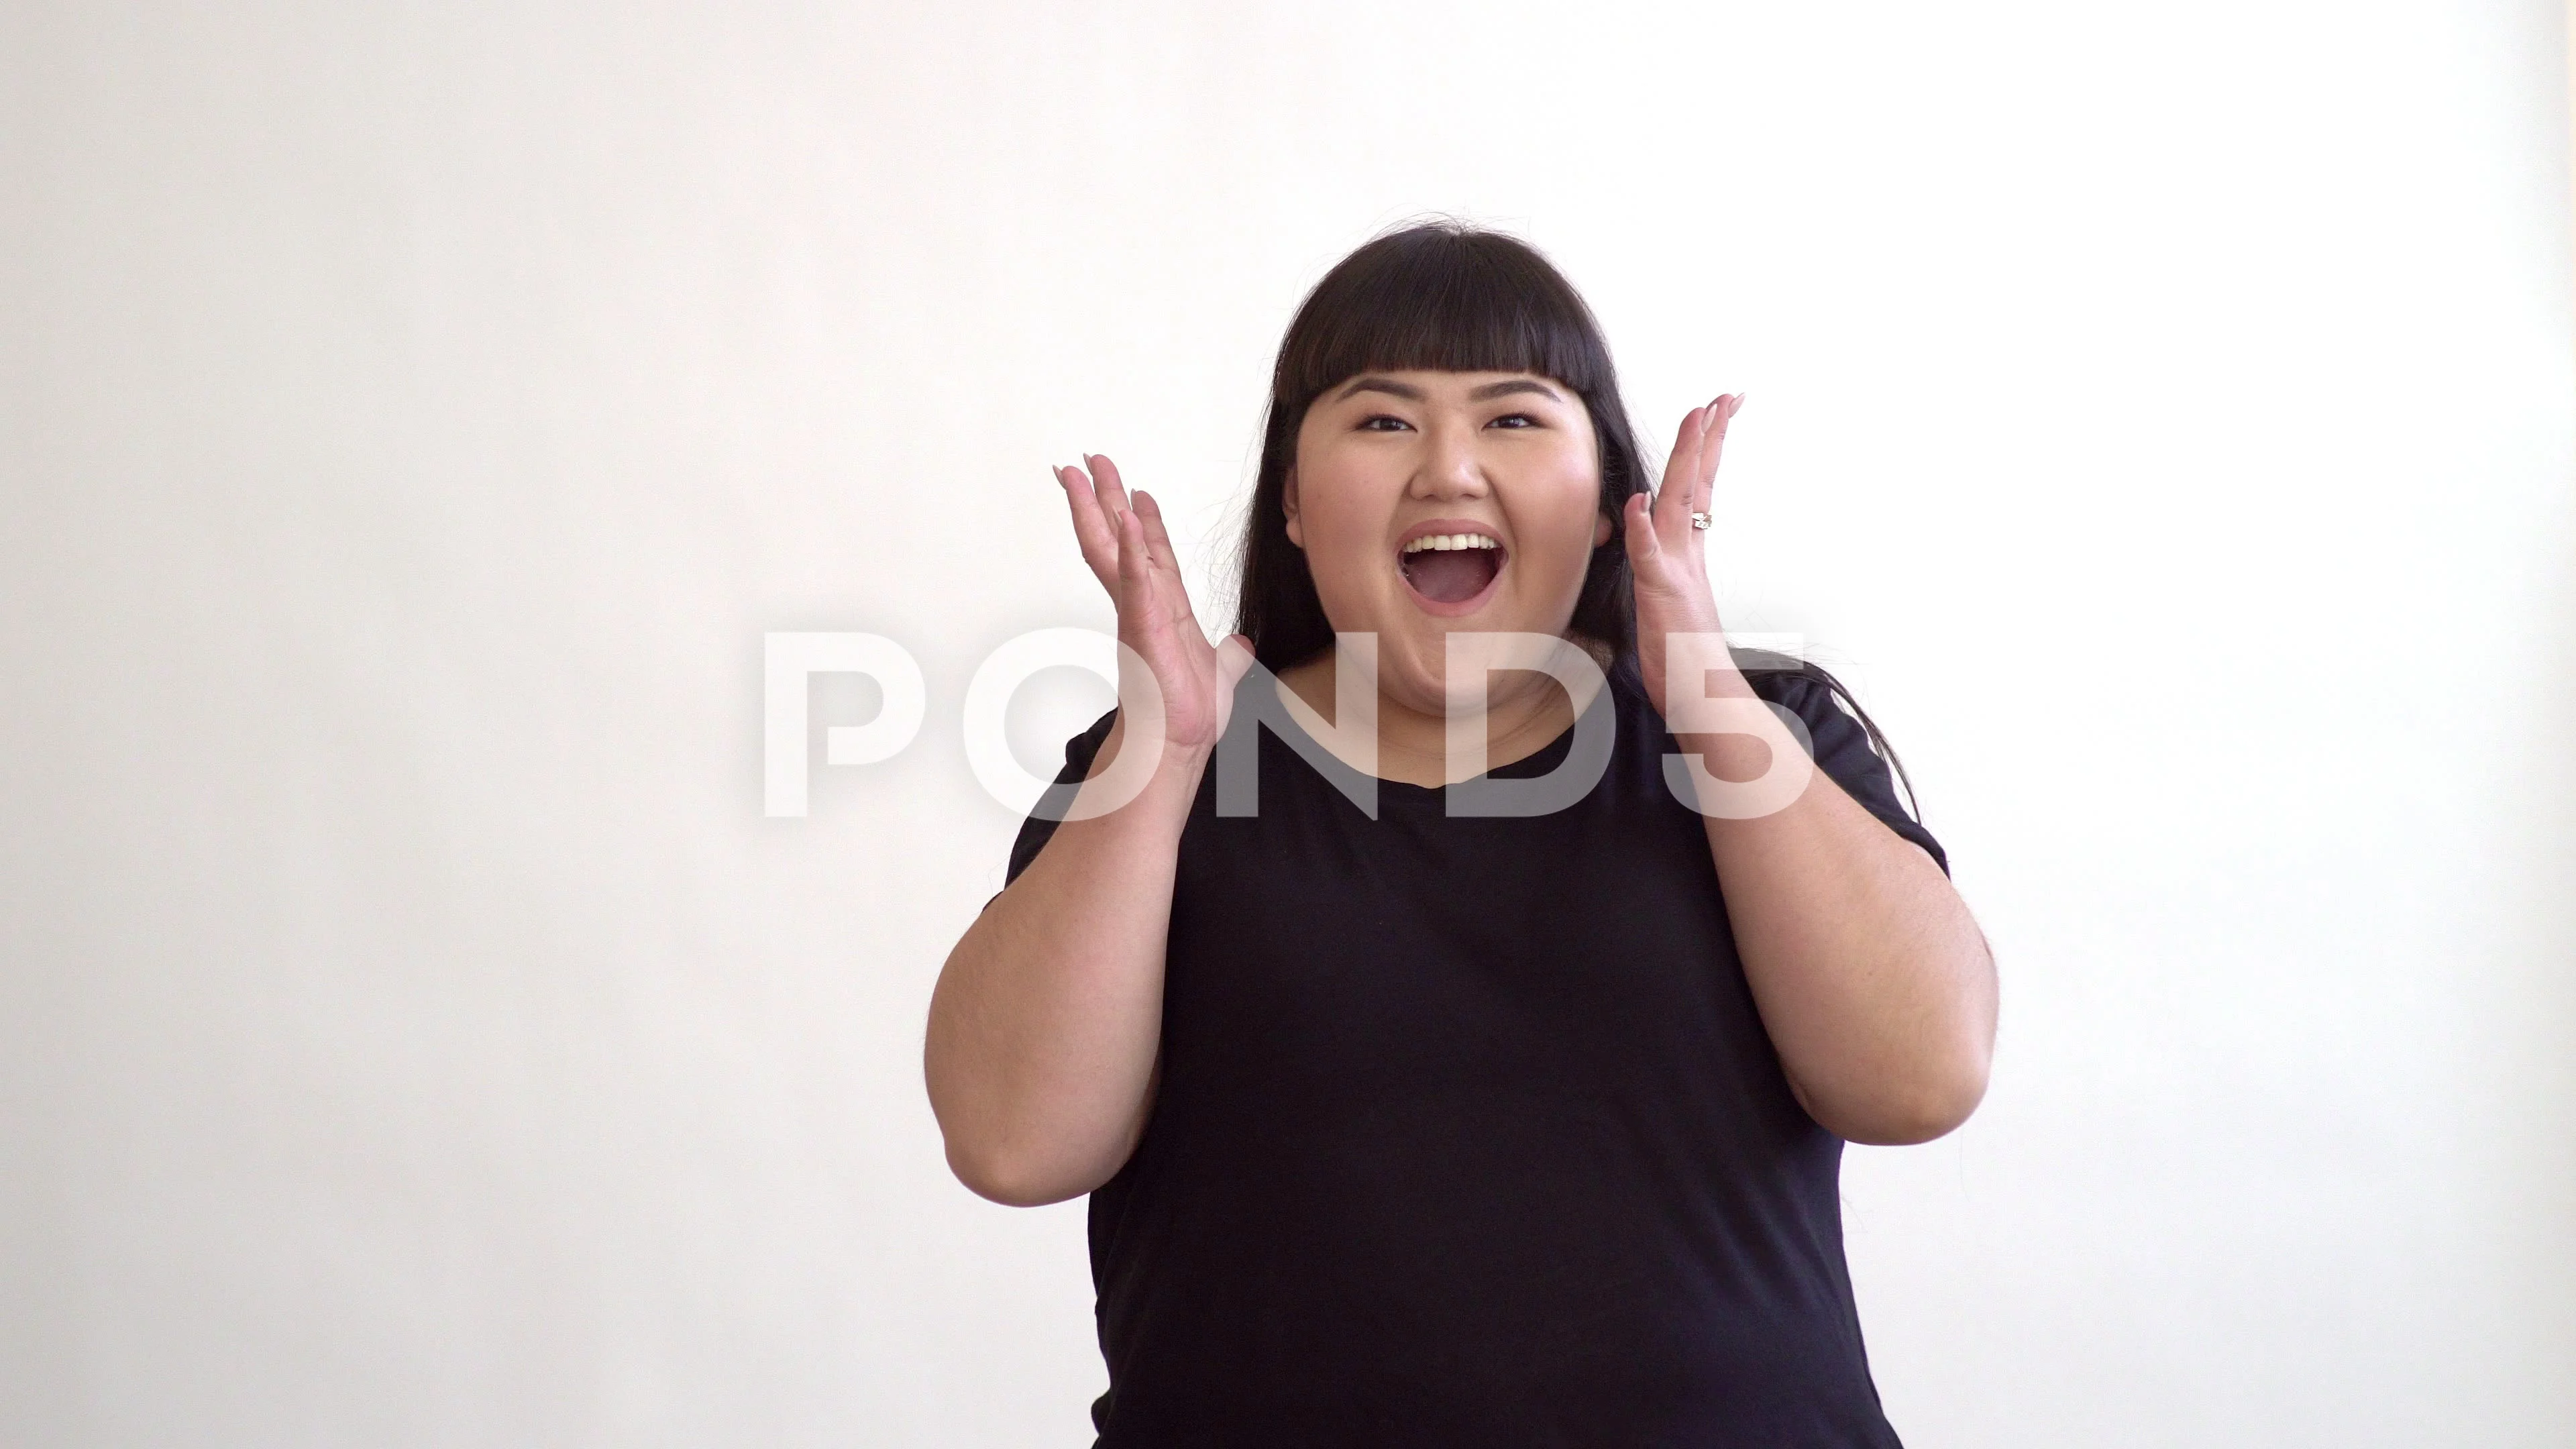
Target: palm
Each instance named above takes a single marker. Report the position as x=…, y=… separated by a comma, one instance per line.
x=1130, y=552
x=1667, y=556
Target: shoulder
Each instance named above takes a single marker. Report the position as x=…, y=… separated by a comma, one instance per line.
x=1784, y=678
x=1844, y=741
x=1083, y=748
x=1804, y=689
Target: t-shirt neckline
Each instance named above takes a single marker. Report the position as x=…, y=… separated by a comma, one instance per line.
x=1537, y=762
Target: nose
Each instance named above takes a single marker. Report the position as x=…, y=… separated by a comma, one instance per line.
x=1449, y=468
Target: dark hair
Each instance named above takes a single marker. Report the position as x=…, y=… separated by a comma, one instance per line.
x=1448, y=297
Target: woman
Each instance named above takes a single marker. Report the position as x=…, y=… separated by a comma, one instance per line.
x=1422, y=1127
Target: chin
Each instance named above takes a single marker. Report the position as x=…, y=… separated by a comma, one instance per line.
x=1412, y=668
x=1415, y=666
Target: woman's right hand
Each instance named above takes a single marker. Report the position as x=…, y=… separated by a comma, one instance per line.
x=1131, y=554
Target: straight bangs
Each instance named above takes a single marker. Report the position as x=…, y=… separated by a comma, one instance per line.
x=1444, y=302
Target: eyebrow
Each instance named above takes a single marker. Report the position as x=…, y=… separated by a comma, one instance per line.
x=1379, y=384
x=1489, y=391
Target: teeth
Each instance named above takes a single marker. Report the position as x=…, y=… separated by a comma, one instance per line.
x=1446, y=542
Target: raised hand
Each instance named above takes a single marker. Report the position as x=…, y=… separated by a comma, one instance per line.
x=1668, y=556
x=1129, y=551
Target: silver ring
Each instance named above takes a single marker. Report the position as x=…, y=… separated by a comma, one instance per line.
x=1702, y=520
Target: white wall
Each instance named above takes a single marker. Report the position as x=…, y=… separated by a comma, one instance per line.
x=412, y=1033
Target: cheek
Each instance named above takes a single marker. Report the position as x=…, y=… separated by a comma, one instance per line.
x=1343, y=517
x=1567, y=514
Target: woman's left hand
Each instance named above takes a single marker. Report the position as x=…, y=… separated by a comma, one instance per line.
x=1669, y=557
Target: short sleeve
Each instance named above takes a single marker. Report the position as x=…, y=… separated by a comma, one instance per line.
x=1039, y=828
x=1843, y=751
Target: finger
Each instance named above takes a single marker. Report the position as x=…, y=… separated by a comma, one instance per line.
x=1684, y=495
x=1712, y=425
x=1645, y=545
x=1167, y=576
x=1135, y=574
x=1112, y=489
x=1156, y=537
x=1091, y=529
x=1233, y=660
x=1712, y=446
x=1673, y=500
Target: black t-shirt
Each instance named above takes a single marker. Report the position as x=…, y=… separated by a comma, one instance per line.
x=1468, y=1130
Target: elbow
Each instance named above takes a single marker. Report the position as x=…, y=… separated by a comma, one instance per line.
x=1003, y=1153
x=1914, y=1119
x=988, y=1152
x=1021, y=1164
x=1011, y=1179
x=1908, y=1113
x=1931, y=1089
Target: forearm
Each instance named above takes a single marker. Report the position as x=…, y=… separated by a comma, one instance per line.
x=1873, y=981
x=1045, y=1022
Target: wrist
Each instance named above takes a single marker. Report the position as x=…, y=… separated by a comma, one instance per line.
x=1725, y=681
x=1178, y=763
x=1123, y=803
x=1183, y=764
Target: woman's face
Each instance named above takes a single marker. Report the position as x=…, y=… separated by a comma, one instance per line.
x=1433, y=502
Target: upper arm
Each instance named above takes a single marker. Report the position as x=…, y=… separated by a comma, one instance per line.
x=1842, y=749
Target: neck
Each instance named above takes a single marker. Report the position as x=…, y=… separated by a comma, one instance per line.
x=1523, y=712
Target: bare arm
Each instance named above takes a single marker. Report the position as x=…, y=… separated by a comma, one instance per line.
x=1043, y=1027
x=1875, y=985
x=1040, y=1050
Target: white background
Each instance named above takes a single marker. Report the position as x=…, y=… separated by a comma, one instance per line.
x=411, y=1032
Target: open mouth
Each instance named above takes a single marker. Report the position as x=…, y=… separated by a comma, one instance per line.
x=1451, y=569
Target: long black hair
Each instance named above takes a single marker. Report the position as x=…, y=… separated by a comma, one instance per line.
x=1447, y=297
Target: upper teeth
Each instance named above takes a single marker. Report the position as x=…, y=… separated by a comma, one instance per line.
x=1449, y=541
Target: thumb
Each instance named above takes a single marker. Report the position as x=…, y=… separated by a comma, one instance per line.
x=1233, y=660
x=1644, y=544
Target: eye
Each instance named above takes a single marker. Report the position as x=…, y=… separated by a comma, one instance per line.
x=1514, y=420
x=1383, y=423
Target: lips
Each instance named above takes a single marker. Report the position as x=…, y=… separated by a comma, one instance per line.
x=1450, y=565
